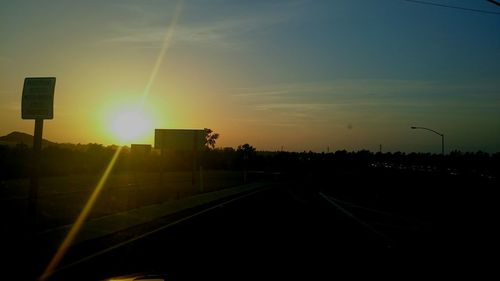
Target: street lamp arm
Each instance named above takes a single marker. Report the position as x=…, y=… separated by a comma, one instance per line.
x=437, y=133
x=428, y=130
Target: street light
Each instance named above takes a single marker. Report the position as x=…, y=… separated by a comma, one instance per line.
x=442, y=136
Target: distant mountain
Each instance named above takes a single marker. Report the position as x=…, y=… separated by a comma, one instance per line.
x=19, y=137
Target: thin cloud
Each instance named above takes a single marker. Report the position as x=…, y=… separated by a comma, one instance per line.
x=147, y=28
x=355, y=90
x=362, y=99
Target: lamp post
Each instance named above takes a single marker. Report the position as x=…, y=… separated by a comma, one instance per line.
x=442, y=136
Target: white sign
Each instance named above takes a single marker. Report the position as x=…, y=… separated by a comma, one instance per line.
x=38, y=98
x=178, y=139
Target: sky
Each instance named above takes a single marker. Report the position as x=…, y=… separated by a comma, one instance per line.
x=299, y=75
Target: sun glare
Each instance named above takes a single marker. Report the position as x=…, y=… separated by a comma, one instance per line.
x=131, y=125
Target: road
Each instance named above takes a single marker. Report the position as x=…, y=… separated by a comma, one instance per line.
x=270, y=234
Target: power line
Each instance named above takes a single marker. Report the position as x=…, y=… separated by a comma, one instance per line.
x=494, y=2
x=452, y=7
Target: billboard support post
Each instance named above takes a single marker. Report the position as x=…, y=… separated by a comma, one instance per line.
x=163, y=162
x=195, y=160
x=201, y=179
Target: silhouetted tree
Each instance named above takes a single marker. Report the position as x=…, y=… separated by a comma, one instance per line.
x=246, y=149
x=210, y=138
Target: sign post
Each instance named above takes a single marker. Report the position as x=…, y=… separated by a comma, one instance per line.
x=35, y=170
x=38, y=104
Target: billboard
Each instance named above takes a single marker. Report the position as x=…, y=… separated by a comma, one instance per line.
x=180, y=139
x=140, y=149
x=38, y=98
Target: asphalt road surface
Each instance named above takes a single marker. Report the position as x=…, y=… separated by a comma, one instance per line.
x=270, y=234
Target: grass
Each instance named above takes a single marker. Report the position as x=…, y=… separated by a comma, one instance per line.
x=62, y=198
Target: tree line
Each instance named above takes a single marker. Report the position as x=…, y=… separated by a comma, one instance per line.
x=60, y=160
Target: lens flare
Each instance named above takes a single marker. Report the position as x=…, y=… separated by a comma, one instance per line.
x=80, y=220
x=127, y=125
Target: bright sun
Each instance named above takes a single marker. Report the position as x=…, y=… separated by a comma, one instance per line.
x=131, y=125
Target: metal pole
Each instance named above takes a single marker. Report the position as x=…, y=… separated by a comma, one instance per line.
x=195, y=159
x=442, y=144
x=431, y=130
x=35, y=169
x=201, y=179
x=32, y=197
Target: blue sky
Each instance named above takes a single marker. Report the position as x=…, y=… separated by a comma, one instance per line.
x=302, y=74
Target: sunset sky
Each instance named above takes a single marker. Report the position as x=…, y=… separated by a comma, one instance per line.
x=303, y=74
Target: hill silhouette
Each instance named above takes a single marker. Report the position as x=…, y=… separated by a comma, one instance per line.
x=21, y=138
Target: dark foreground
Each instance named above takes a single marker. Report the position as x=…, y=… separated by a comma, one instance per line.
x=270, y=234
x=373, y=224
